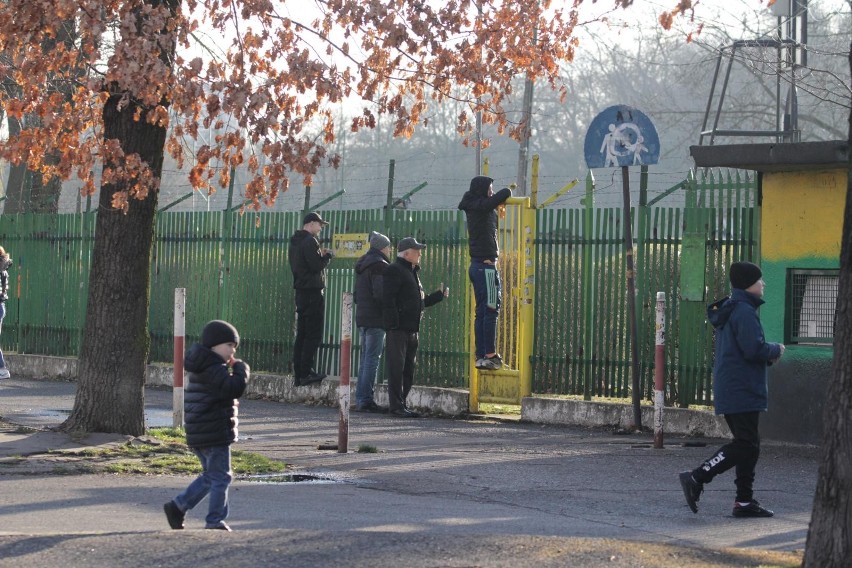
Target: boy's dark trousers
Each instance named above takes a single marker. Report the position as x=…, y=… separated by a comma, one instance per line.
x=400, y=356
x=310, y=313
x=741, y=452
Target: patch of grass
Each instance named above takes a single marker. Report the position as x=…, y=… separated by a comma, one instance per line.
x=164, y=451
x=367, y=449
x=250, y=463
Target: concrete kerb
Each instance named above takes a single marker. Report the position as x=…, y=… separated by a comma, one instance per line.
x=443, y=401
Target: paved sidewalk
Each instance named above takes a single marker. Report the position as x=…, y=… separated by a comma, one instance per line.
x=435, y=487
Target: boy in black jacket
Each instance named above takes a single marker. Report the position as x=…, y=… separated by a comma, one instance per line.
x=480, y=205
x=210, y=408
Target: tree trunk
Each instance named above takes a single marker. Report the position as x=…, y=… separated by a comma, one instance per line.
x=15, y=200
x=26, y=191
x=829, y=542
x=111, y=367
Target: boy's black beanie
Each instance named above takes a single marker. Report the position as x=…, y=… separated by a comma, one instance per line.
x=218, y=331
x=744, y=274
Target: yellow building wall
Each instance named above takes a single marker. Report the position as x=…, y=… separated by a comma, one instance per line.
x=802, y=215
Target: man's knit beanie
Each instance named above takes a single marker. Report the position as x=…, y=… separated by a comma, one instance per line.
x=744, y=274
x=378, y=241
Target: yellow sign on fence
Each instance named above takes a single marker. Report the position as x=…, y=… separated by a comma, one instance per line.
x=350, y=245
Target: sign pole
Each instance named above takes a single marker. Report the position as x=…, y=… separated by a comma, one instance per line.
x=624, y=136
x=631, y=300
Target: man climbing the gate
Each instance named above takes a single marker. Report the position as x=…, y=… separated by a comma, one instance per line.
x=480, y=204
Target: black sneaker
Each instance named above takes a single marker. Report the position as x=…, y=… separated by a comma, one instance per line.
x=404, y=413
x=493, y=363
x=310, y=379
x=691, y=490
x=174, y=515
x=371, y=407
x=751, y=509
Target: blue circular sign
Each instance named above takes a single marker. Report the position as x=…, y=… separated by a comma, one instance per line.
x=621, y=136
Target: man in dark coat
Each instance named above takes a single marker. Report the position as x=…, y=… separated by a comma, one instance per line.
x=308, y=262
x=480, y=205
x=403, y=305
x=739, y=389
x=369, y=272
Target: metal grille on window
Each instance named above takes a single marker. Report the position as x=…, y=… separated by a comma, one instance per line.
x=812, y=299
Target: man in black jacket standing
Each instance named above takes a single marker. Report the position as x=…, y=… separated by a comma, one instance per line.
x=403, y=305
x=369, y=278
x=308, y=262
x=479, y=204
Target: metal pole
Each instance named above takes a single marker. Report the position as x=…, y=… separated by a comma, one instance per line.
x=631, y=299
x=389, y=205
x=343, y=394
x=179, y=332
x=659, y=369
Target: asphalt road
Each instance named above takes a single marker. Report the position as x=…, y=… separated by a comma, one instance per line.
x=438, y=492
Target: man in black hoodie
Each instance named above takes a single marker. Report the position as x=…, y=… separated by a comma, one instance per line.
x=480, y=205
x=308, y=262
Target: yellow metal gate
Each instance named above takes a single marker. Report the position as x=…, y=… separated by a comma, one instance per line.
x=516, y=265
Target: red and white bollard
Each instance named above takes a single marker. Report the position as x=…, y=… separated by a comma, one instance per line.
x=659, y=369
x=343, y=393
x=180, y=332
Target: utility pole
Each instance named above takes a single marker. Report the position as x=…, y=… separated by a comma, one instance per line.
x=524, y=151
x=478, y=169
x=526, y=130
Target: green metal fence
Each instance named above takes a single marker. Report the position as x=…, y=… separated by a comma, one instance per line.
x=235, y=267
x=582, y=344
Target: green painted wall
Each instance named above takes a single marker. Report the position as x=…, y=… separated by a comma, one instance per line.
x=801, y=227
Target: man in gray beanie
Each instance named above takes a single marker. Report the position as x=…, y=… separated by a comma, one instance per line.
x=369, y=273
x=739, y=389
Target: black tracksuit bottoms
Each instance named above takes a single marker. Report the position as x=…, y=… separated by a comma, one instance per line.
x=310, y=314
x=742, y=452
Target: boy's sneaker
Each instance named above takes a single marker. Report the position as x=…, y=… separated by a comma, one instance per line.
x=5, y=374
x=691, y=490
x=222, y=526
x=174, y=515
x=491, y=363
x=751, y=509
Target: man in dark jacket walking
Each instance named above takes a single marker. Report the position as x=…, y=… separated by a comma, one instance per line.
x=369, y=272
x=739, y=389
x=308, y=262
x=479, y=204
x=403, y=305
